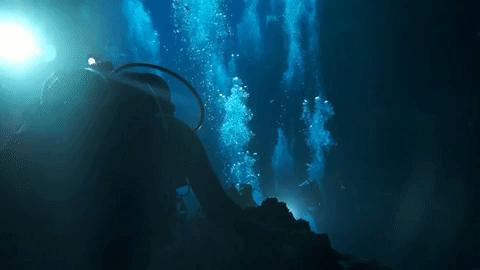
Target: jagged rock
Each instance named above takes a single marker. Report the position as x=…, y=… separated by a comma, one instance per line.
x=266, y=237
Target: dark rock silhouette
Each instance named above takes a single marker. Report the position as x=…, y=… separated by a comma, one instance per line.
x=265, y=237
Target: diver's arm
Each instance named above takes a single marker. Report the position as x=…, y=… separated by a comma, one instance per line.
x=213, y=199
x=208, y=190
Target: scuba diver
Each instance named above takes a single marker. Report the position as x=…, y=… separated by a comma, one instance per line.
x=88, y=181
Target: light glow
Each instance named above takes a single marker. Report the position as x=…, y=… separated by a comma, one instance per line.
x=92, y=61
x=18, y=44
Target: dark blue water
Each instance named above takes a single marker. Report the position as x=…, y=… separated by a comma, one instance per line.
x=361, y=115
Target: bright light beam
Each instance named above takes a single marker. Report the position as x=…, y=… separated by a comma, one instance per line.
x=17, y=43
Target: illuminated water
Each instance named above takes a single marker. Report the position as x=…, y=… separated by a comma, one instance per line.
x=361, y=115
x=221, y=45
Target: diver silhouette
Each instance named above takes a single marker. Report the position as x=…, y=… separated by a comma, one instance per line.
x=88, y=181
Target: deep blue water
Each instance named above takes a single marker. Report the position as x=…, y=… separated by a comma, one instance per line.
x=361, y=115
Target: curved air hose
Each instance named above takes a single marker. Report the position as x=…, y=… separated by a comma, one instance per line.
x=176, y=76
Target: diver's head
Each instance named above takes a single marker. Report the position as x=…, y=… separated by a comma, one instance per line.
x=156, y=86
x=87, y=91
x=73, y=87
x=102, y=84
x=100, y=65
x=86, y=105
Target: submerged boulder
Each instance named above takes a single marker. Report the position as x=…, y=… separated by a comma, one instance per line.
x=266, y=237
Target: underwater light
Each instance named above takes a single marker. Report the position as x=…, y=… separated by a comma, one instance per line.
x=91, y=61
x=18, y=44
